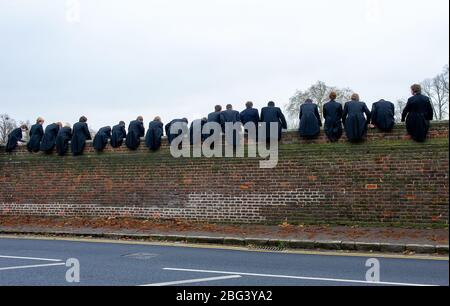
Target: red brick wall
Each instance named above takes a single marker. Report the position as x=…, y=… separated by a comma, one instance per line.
x=387, y=180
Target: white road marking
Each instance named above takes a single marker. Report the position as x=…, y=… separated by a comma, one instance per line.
x=32, y=266
x=300, y=277
x=30, y=258
x=192, y=281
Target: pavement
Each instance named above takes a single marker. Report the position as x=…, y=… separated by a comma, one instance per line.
x=283, y=236
x=47, y=261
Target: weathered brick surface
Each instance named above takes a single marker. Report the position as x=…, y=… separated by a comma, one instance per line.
x=438, y=130
x=387, y=180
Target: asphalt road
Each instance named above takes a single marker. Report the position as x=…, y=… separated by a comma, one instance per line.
x=43, y=262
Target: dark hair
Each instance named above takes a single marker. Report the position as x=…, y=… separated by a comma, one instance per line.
x=249, y=104
x=83, y=119
x=122, y=123
x=271, y=104
x=24, y=127
x=309, y=101
x=333, y=95
x=229, y=106
x=140, y=118
x=218, y=108
x=416, y=89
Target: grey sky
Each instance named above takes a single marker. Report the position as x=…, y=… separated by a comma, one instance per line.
x=178, y=58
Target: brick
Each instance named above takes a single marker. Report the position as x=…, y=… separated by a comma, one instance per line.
x=384, y=182
x=410, y=197
x=372, y=186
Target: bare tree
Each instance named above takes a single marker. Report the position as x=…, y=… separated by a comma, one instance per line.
x=399, y=107
x=7, y=125
x=445, y=78
x=437, y=89
x=319, y=93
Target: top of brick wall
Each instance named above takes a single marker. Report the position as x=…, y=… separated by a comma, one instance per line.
x=439, y=129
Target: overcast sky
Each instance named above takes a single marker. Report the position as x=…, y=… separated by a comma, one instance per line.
x=117, y=59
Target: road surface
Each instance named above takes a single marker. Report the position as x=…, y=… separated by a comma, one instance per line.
x=38, y=261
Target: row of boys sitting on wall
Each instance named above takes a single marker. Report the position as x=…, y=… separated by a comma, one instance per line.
x=354, y=118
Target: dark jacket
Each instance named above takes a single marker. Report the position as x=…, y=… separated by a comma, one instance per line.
x=101, y=138
x=213, y=117
x=418, y=113
x=310, y=121
x=232, y=117
x=118, y=134
x=354, y=121
x=36, y=134
x=250, y=115
x=273, y=114
x=332, y=112
x=14, y=137
x=136, y=130
x=62, y=140
x=49, y=140
x=197, y=124
x=80, y=135
x=383, y=115
x=154, y=133
x=172, y=136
